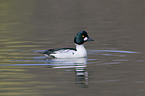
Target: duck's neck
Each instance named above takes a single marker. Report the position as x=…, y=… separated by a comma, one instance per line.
x=80, y=47
x=81, y=50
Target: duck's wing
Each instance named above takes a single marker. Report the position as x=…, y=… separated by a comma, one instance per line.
x=58, y=50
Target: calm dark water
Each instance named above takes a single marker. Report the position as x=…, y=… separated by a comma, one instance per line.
x=116, y=59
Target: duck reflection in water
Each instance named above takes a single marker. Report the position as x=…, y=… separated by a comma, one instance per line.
x=79, y=66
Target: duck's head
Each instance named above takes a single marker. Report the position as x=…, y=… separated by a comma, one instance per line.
x=82, y=37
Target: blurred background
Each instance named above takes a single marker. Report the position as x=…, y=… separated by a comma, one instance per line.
x=115, y=64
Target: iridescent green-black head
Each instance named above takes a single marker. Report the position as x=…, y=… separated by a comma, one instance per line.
x=82, y=37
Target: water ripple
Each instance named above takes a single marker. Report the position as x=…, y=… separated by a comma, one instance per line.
x=115, y=51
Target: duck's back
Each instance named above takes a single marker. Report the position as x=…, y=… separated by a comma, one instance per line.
x=60, y=53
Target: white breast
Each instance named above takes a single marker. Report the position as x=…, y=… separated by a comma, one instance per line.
x=81, y=51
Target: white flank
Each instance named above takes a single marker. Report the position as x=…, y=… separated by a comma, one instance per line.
x=81, y=52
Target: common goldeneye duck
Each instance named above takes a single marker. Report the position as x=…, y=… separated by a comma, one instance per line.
x=78, y=52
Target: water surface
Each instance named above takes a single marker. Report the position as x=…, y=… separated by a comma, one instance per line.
x=115, y=64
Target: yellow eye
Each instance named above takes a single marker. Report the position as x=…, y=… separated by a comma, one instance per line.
x=83, y=36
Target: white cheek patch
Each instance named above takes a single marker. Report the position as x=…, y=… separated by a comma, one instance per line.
x=86, y=38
